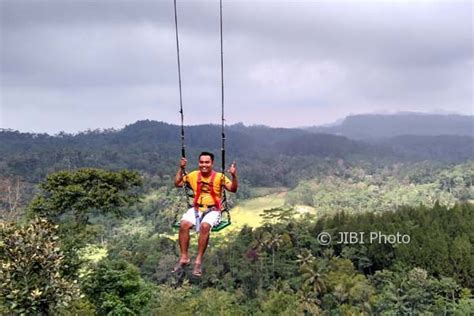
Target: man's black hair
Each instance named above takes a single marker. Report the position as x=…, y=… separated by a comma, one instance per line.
x=205, y=153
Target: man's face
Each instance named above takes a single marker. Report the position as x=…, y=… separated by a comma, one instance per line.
x=205, y=164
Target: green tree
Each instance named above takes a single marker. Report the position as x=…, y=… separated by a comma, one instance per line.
x=116, y=288
x=69, y=198
x=31, y=270
x=77, y=194
x=346, y=287
x=280, y=303
x=313, y=274
x=461, y=259
x=188, y=300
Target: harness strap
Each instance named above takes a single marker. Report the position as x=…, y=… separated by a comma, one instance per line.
x=198, y=192
x=199, y=219
x=216, y=200
x=197, y=226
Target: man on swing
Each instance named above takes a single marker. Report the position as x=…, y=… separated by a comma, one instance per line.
x=207, y=185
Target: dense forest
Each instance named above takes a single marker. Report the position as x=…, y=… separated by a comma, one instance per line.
x=364, y=227
x=265, y=155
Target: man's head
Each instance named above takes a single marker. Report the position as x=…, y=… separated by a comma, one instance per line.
x=206, y=162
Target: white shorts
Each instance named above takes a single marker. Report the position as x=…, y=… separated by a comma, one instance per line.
x=212, y=218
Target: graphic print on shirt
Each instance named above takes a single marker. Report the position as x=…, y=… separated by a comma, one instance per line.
x=205, y=188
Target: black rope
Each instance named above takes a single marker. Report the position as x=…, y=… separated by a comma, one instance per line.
x=224, y=196
x=186, y=190
x=222, y=92
x=183, y=152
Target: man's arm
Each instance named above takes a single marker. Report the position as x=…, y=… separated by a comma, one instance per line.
x=178, y=179
x=232, y=187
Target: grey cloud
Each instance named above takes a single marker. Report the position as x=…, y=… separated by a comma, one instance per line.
x=27, y=13
x=287, y=63
x=192, y=14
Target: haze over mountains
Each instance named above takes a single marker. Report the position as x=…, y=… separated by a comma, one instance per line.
x=376, y=126
x=366, y=126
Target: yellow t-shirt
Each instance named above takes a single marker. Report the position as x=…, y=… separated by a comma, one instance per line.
x=205, y=198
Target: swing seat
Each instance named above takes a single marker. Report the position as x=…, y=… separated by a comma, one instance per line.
x=222, y=224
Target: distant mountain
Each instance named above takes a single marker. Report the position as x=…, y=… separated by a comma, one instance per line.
x=441, y=148
x=266, y=156
x=376, y=126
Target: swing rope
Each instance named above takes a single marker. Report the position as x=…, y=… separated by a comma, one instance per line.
x=224, y=196
x=183, y=151
x=222, y=92
x=185, y=190
x=224, y=223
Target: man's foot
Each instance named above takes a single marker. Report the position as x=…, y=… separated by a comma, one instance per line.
x=180, y=265
x=197, y=271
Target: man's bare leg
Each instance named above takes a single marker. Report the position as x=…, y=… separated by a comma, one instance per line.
x=184, y=241
x=184, y=260
x=203, y=241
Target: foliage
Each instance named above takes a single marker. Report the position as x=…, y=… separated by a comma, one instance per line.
x=440, y=239
x=12, y=197
x=279, y=302
x=80, y=192
x=70, y=198
x=415, y=292
x=31, y=275
x=280, y=268
x=188, y=300
x=360, y=190
x=153, y=255
x=116, y=288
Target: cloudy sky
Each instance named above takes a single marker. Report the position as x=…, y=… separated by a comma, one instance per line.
x=86, y=64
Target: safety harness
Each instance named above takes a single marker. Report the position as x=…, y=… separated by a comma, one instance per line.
x=217, y=202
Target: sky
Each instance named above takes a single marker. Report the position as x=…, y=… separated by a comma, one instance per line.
x=95, y=64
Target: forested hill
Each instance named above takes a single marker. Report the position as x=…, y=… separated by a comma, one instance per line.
x=397, y=215
x=266, y=156
x=375, y=126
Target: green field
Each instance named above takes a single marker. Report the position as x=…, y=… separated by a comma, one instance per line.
x=248, y=212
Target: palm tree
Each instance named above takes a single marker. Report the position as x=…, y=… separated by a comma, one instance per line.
x=305, y=258
x=309, y=301
x=272, y=242
x=313, y=276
